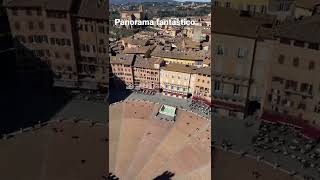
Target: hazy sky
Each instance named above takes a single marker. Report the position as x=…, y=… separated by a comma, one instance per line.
x=196, y=0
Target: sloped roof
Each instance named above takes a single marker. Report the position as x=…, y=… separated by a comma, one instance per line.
x=159, y=52
x=180, y=68
x=147, y=63
x=93, y=9
x=125, y=59
x=231, y=22
x=204, y=71
x=306, y=29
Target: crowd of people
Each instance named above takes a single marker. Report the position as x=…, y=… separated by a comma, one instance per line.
x=87, y=96
x=146, y=92
x=200, y=106
x=279, y=138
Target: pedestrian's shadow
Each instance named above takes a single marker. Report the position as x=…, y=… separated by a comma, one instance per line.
x=165, y=176
x=110, y=177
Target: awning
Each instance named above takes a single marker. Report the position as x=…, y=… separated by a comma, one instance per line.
x=307, y=130
x=197, y=98
x=284, y=119
x=311, y=132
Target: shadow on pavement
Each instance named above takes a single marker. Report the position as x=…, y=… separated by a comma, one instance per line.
x=165, y=176
x=111, y=177
x=28, y=96
x=117, y=91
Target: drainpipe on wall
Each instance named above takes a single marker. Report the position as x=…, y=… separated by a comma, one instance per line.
x=250, y=79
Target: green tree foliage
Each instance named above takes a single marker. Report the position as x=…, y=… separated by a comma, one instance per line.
x=114, y=15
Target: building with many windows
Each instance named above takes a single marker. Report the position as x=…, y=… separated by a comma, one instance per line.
x=250, y=5
x=147, y=73
x=65, y=37
x=267, y=67
x=92, y=42
x=234, y=50
x=280, y=8
x=201, y=87
x=122, y=68
x=176, y=80
x=293, y=90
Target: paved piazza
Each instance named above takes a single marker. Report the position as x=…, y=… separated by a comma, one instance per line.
x=238, y=136
x=171, y=101
x=229, y=165
x=143, y=146
x=85, y=109
x=58, y=150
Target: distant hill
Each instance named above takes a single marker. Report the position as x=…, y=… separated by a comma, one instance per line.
x=136, y=1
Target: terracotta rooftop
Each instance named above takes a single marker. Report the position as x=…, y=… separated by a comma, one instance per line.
x=175, y=54
x=207, y=61
x=190, y=43
x=204, y=71
x=125, y=59
x=93, y=9
x=237, y=23
x=206, y=31
x=305, y=29
x=138, y=50
x=180, y=68
x=145, y=33
x=131, y=40
x=147, y=63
